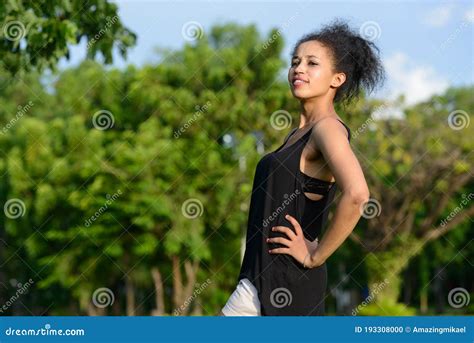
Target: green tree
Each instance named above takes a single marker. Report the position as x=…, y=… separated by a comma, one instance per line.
x=36, y=34
x=418, y=171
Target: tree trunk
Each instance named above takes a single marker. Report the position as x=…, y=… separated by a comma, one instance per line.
x=93, y=310
x=423, y=274
x=182, y=292
x=130, y=296
x=159, y=295
x=177, y=285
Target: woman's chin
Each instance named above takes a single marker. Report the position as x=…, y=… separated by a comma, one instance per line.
x=298, y=95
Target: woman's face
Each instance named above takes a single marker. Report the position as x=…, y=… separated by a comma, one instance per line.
x=312, y=65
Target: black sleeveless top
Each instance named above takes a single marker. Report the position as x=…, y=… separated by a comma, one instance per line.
x=285, y=287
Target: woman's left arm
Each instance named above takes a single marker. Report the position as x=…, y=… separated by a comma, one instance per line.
x=330, y=137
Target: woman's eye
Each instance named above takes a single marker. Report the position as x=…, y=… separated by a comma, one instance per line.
x=310, y=63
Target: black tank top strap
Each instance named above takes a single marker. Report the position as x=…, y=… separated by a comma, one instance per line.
x=289, y=135
x=347, y=128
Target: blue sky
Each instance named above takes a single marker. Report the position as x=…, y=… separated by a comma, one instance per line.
x=426, y=46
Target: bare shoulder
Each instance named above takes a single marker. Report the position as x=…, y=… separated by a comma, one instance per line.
x=329, y=132
x=329, y=137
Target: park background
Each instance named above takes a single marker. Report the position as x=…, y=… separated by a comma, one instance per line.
x=130, y=132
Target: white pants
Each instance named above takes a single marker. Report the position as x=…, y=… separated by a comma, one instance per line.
x=243, y=301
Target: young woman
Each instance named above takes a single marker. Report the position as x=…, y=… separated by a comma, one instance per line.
x=284, y=267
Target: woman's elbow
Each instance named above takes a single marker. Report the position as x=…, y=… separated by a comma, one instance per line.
x=359, y=195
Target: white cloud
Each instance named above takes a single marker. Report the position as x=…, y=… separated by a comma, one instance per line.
x=416, y=82
x=469, y=15
x=439, y=16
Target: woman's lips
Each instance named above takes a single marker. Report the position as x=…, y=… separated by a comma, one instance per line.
x=298, y=83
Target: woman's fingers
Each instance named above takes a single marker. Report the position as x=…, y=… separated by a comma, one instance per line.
x=295, y=224
x=279, y=240
x=286, y=230
x=280, y=251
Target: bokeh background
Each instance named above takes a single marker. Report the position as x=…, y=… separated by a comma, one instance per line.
x=130, y=132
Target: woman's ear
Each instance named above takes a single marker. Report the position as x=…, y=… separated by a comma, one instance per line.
x=338, y=79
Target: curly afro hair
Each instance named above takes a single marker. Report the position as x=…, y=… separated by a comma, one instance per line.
x=353, y=55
